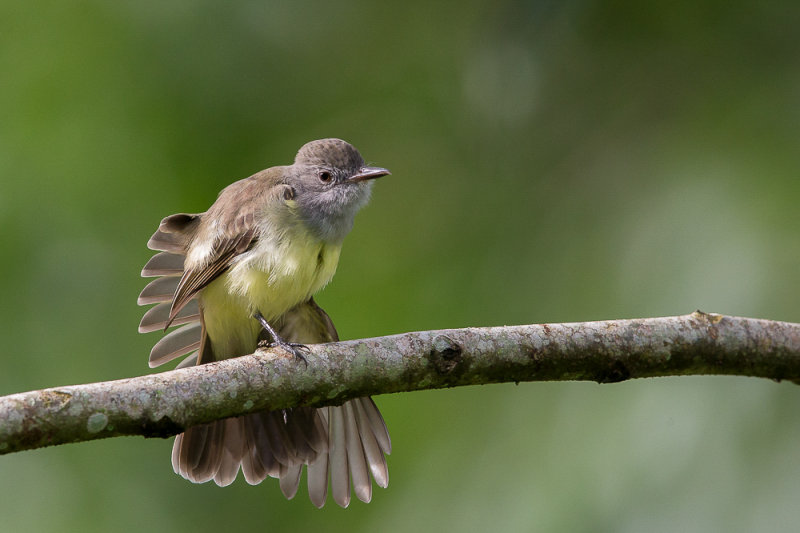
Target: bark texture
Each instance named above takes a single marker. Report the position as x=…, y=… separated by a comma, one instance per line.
x=164, y=404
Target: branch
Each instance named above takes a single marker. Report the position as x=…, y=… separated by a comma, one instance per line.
x=164, y=404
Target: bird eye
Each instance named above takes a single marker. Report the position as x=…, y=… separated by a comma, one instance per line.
x=324, y=176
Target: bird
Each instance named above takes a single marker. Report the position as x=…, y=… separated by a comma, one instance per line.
x=244, y=274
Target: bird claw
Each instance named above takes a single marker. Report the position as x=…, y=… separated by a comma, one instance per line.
x=294, y=348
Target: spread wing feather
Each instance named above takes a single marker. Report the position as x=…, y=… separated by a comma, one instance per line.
x=176, y=343
x=157, y=317
x=159, y=290
x=164, y=264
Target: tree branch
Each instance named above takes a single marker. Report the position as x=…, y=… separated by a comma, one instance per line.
x=164, y=404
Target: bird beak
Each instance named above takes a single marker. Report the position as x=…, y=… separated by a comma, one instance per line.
x=368, y=173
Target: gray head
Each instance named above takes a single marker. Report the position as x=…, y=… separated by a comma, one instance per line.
x=330, y=184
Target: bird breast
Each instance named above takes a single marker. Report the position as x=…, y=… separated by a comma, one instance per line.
x=271, y=278
x=276, y=276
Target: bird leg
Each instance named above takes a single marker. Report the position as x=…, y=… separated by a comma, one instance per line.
x=293, y=348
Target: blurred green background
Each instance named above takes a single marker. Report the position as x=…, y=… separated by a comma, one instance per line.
x=552, y=161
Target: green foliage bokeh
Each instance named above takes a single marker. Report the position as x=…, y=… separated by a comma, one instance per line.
x=552, y=161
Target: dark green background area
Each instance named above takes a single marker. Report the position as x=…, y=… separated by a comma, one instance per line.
x=552, y=161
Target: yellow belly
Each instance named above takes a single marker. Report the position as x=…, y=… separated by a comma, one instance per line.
x=271, y=279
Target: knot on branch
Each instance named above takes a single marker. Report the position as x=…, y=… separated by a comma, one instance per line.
x=445, y=354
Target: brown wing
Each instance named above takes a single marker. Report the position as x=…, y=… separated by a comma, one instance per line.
x=238, y=238
x=229, y=226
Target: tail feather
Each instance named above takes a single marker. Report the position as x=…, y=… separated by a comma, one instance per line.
x=258, y=443
x=317, y=474
x=290, y=479
x=359, y=470
x=278, y=437
x=187, y=453
x=232, y=449
x=376, y=424
x=307, y=434
x=372, y=450
x=253, y=470
x=337, y=443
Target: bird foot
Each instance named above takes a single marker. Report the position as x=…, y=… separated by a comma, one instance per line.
x=294, y=348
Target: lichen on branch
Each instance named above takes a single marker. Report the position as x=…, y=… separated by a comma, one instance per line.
x=161, y=405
